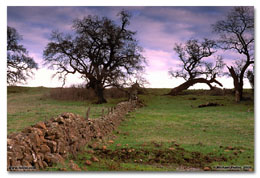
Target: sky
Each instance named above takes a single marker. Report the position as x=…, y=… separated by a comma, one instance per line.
x=158, y=30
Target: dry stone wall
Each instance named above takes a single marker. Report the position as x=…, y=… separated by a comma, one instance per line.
x=48, y=143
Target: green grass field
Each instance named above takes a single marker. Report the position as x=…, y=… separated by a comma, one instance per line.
x=28, y=105
x=170, y=133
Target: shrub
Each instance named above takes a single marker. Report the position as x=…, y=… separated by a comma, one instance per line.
x=73, y=93
x=115, y=93
x=80, y=93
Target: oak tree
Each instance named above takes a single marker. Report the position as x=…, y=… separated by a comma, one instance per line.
x=104, y=52
x=194, y=67
x=236, y=33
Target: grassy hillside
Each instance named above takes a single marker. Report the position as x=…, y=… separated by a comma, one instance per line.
x=170, y=133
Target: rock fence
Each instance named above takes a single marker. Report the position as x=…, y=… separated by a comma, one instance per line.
x=47, y=143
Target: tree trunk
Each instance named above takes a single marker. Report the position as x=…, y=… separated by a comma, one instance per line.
x=100, y=94
x=98, y=89
x=238, y=84
x=189, y=83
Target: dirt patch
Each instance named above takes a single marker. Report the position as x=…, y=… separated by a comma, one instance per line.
x=164, y=157
x=209, y=104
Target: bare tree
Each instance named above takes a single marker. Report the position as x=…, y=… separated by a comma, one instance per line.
x=236, y=33
x=104, y=52
x=19, y=63
x=194, y=67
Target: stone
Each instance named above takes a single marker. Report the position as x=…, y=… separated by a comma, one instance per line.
x=206, y=169
x=40, y=164
x=94, y=145
x=41, y=125
x=35, y=139
x=40, y=155
x=28, y=157
x=88, y=162
x=94, y=159
x=74, y=166
x=53, y=158
x=45, y=149
x=62, y=169
x=60, y=120
x=110, y=141
x=230, y=148
x=73, y=138
x=44, y=164
x=90, y=151
x=15, y=163
x=18, y=155
x=52, y=145
x=171, y=148
x=26, y=163
x=10, y=142
x=51, y=137
x=38, y=131
x=18, y=151
x=43, y=140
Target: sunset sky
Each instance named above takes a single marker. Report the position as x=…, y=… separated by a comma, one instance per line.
x=158, y=29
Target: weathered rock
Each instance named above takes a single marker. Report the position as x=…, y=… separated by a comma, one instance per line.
x=60, y=120
x=45, y=149
x=37, y=131
x=28, y=157
x=63, y=169
x=26, y=163
x=90, y=151
x=34, y=137
x=110, y=141
x=88, y=162
x=53, y=158
x=52, y=145
x=74, y=166
x=206, y=169
x=94, y=159
x=41, y=125
x=51, y=137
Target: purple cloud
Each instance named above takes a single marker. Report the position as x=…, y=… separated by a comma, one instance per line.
x=158, y=29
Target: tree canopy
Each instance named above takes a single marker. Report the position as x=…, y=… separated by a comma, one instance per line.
x=19, y=63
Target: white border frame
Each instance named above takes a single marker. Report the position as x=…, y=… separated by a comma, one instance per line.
x=3, y=95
